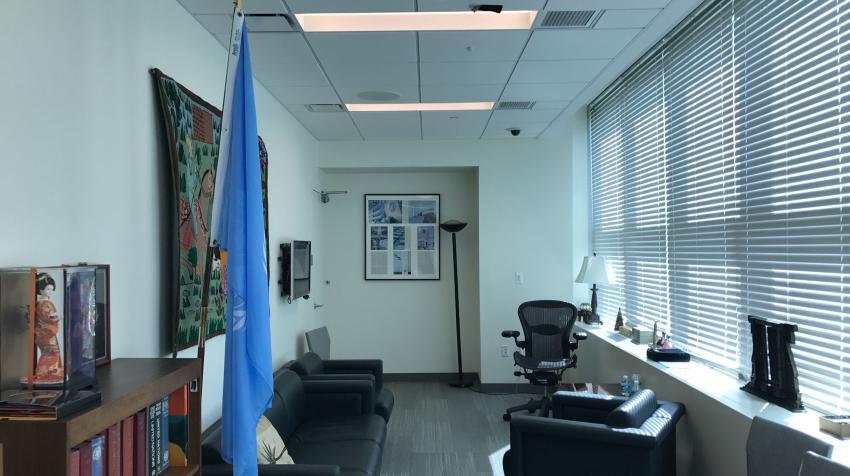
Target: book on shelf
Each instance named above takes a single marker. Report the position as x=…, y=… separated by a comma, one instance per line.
x=113, y=450
x=74, y=462
x=163, y=423
x=178, y=427
x=155, y=438
x=140, y=445
x=128, y=431
x=97, y=457
x=85, y=459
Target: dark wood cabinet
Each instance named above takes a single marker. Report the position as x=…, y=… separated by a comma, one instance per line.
x=127, y=386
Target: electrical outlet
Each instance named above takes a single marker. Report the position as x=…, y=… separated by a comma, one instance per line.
x=505, y=351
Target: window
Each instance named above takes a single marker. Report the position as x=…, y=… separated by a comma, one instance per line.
x=721, y=185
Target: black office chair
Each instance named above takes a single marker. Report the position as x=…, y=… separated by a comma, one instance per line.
x=548, y=350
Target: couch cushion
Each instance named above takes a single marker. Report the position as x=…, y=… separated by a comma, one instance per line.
x=363, y=427
x=351, y=456
x=634, y=411
x=384, y=403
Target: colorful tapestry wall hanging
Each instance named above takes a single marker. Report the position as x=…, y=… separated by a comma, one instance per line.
x=192, y=127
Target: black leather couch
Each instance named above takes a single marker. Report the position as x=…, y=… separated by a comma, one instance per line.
x=329, y=428
x=311, y=367
x=593, y=434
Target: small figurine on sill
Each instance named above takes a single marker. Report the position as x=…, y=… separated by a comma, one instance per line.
x=48, y=371
x=664, y=342
x=619, y=322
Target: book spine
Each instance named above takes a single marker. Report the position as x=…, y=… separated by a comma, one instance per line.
x=128, y=430
x=97, y=457
x=74, y=463
x=163, y=423
x=85, y=459
x=152, y=453
x=140, y=459
x=113, y=450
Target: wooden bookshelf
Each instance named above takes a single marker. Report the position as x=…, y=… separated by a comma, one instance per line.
x=127, y=386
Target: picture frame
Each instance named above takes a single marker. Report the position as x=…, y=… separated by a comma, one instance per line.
x=401, y=237
x=103, y=323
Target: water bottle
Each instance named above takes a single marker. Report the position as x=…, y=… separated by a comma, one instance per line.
x=636, y=383
x=625, y=387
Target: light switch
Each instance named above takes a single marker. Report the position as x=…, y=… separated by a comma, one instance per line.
x=520, y=278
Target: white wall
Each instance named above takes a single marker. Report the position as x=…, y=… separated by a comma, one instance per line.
x=525, y=215
x=83, y=172
x=408, y=324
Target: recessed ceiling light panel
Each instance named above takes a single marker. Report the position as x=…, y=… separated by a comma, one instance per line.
x=416, y=21
x=421, y=106
x=378, y=96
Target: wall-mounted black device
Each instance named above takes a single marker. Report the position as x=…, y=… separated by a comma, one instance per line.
x=295, y=264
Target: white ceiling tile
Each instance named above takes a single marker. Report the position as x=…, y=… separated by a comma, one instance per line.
x=302, y=94
x=455, y=5
x=325, y=125
x=461, y=93
x=454, y=125
x=373, y=47
x=388, y=125
x=267, y=23
x=546, y=105
x=283, y=48
x=440, y=46
x=528, y=115
x=473, y=72
x=223, y=38
x=372, y=73
x=226, y=6
x=216, y=24
x=557, y=71
x=604, y=4
x=577, y=44
x=527, y=131
x=350, y=6
x=637, y=18
x=542, y=92
x=407, y=92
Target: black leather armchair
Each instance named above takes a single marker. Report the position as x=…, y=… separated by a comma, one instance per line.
x=593, y=434
x=547, y=350
x=311, y=367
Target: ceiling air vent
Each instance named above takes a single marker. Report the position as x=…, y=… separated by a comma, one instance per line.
x=325, y=107
x=515, y=105
x=569, y=19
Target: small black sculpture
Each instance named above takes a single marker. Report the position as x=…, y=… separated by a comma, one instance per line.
x=619, y=322
x=774, y=374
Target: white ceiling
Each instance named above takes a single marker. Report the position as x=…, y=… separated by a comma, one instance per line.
x=551, y=67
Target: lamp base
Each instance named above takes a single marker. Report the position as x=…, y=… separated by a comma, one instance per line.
x=461, y=383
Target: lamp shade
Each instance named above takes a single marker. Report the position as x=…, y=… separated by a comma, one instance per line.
x=453, y=226
x=594, y=269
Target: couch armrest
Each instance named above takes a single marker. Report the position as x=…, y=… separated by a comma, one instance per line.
x=324, y=377
x=338, y=398
x=357, y=366
x=276, y=470
x=568, y=431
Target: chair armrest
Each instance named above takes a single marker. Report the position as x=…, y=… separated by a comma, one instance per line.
x=321, y=377
x=580, y=406
x=276, y=470
x=357, y=366
x=567, y=431
x=580, y=336
x=515, y=336
x=338, y=398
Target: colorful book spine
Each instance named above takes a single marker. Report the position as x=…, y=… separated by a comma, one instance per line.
x=178, y=427
x=163, y=424
x=74, y=463
x=113, y=450
x=97, y=458
x=140, y=443
x=85, y=459
x=128, y=430
x=155, y=438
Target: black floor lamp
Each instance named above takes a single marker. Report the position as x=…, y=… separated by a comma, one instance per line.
x=454, y=226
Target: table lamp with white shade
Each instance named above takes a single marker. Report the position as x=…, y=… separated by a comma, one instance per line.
x=594, y=270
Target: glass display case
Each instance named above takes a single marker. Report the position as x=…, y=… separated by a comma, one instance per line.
x=47, y=329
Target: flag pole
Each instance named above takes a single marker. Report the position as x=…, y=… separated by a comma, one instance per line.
x=212, y=245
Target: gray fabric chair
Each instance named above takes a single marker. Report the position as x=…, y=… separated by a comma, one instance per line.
x=319, y=342
x=774, y=449
x=816, y=465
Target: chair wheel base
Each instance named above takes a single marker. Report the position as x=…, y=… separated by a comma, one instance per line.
x=506, y=417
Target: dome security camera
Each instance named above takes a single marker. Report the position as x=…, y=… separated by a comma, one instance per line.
x=515, y=131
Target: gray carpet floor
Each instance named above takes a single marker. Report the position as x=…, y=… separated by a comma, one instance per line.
x=439, y=430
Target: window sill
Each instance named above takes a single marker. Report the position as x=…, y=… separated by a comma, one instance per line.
x=723, y=388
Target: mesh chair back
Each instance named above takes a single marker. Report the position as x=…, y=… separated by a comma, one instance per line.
x=319, y=342
x=547, y=326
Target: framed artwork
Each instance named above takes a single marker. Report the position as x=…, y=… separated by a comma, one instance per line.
x=192, y=129
x=402, y=240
